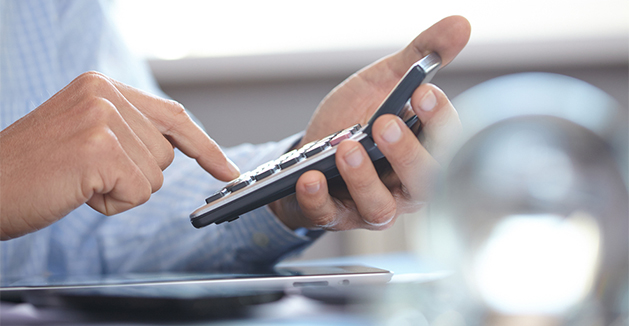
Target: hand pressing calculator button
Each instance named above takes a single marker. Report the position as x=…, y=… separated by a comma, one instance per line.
x=276, y=179
x=294, y=157
x=267, y=170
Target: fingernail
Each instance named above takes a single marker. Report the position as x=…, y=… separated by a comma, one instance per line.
x=312, y=188
x=354, y=157
x=392, y=132
x=233, y=168
x=428, y=102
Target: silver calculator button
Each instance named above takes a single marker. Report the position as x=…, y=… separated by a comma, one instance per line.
x=317, y=148
x=291, y=160
x=216, y=196
x=268, y=171
x=241, y=182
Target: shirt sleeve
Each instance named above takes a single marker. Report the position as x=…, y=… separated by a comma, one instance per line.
x=159, y=236
x=41, y=54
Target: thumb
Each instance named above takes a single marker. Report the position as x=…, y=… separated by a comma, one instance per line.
x=446, y=37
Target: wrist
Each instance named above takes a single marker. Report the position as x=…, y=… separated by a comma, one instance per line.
x=278, y=208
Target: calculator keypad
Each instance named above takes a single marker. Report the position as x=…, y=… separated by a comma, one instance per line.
x=283, y=162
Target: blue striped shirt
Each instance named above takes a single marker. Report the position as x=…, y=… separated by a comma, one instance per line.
x=44, y=45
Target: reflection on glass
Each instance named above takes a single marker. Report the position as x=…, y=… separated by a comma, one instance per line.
x=533, y=211
x=538, y=207
x=560, y=263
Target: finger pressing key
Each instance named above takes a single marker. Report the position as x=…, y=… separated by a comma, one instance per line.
x=172, y=120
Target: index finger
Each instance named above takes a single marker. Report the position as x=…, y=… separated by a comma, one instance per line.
x=172, y=120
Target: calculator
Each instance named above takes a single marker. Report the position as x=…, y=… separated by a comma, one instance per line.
x=276, y=179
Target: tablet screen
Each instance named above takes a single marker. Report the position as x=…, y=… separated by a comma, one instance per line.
x=279, y=277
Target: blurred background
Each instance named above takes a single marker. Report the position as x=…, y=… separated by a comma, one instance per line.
x=254, y=71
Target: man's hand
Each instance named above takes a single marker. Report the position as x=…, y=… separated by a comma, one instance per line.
x=97, y=141
x=369, y=202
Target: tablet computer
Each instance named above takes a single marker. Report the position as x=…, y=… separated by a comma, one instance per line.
x=177, y=294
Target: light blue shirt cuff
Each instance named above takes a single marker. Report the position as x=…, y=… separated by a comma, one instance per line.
x=263, y=237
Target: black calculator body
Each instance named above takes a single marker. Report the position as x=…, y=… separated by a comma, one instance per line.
x=276, y=179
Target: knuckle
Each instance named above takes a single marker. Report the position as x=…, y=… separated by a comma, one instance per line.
x=109, y=211
x=91, y=109
x=99, y=140
x=317, y=213
x=141, y=196
x=324, y=221
x=169, y=157
x=408, y=158
x=177, y=115
x=176, y=108
x=99, y=109
x=92, y=81
x=364, y=185
x=157, y=180
x=164, y=155
x=314, y=204
x=381, y=218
